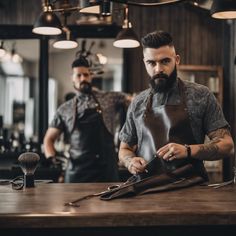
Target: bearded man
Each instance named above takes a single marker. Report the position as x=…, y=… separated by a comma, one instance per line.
x=88, y=121
x=166, y=124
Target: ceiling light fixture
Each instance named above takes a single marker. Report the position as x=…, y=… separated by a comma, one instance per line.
x=223, y=9
x=66, y=39
x=48, y=22
x=126, y=38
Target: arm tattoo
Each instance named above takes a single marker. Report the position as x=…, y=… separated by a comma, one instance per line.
x=210, y=151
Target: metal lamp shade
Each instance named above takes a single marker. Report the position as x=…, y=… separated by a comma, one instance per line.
x=223, y=9
x=47, y=24
x=90, y=7
x=65, y=40
x=126, y=38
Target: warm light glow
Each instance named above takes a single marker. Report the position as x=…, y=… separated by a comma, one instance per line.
x=225, y=15
x=47, y=30
x=65, y=44
x=126, y=43
x=91, y=10
x=102, y=59
x=2, y=52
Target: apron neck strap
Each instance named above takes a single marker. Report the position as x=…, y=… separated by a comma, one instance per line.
x=75, y=111
x=181, y=88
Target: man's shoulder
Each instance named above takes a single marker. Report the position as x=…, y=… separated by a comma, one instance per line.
x=195, y=88
x=141, y=97
x=66, y=106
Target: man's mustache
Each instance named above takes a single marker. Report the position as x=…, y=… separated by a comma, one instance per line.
x=160, y=75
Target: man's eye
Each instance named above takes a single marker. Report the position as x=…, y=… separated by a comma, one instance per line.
x=151, y=63
x=165, y=61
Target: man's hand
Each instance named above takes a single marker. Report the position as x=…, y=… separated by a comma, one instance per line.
x=56, y=161
x=172, y=151
x=135, y=165
x=63, y=161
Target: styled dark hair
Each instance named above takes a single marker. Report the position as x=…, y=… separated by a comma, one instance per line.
x=157, y=39
x=81, y=61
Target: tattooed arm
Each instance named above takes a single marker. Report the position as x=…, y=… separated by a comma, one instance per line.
x=220, y=145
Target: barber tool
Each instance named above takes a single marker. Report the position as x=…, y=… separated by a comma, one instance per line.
x=130, y=180
x=28, y=162
x=219, y=185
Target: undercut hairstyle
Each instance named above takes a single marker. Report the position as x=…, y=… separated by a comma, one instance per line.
x=157, y=39
x=81, y=61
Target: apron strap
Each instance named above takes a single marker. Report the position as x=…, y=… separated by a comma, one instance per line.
x=75, y=110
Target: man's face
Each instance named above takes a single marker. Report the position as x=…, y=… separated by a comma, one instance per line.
x=80, y=77
x=161, y=64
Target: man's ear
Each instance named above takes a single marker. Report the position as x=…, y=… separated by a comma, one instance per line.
x=177, y=59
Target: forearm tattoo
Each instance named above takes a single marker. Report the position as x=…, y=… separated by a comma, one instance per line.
x=210, y=150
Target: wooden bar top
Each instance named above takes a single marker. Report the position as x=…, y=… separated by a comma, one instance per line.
x=43, y=206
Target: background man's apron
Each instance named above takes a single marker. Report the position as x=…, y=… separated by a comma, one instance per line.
x=92, y=151
x=162, y=125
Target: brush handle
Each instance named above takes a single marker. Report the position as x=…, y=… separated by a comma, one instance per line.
x=29, y=181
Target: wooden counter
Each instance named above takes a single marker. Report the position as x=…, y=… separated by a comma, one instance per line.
x=42, y=209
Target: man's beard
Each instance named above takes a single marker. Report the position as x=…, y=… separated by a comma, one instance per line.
x=162, y=82
x=84, y=87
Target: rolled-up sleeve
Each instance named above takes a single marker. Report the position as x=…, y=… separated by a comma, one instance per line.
x=128, y=133
x=214, y=117
x=57, y=121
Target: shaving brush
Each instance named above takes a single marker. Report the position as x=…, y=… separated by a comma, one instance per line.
x=28, y=162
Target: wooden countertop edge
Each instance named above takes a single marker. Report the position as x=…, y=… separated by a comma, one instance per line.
x=70, y=220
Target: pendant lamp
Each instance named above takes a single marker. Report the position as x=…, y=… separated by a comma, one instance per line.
x=65, y=40
x=47, y=23
x=126, y=38
x=223, y=9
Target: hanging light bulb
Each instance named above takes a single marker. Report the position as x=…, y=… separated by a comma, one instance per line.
x=2, y=50
x=126, y=38
x=15, y=57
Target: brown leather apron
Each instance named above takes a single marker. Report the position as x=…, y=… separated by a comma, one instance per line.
x=92, y=150
x=162, y=125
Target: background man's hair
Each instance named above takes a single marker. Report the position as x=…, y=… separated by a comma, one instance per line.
x=157, y=39
x=81, y=61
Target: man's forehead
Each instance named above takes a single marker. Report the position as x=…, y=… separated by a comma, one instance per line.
x=158, y=53
x=80, y=69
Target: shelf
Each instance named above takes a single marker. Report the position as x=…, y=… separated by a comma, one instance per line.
x=210, y=76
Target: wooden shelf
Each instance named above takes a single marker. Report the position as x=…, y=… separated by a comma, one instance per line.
x=205, y=74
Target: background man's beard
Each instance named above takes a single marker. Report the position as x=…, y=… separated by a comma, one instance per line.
x=162, y=82
x=84, y=87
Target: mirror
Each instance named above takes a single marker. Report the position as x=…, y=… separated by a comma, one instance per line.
x=19, y=81
x=107, y=70
x=19, y=66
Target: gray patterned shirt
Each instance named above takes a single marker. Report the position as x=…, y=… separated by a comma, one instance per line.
x=110, y=102
x=204, y=111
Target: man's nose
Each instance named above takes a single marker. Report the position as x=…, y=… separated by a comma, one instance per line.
x=83, y=77
x=158, y=68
